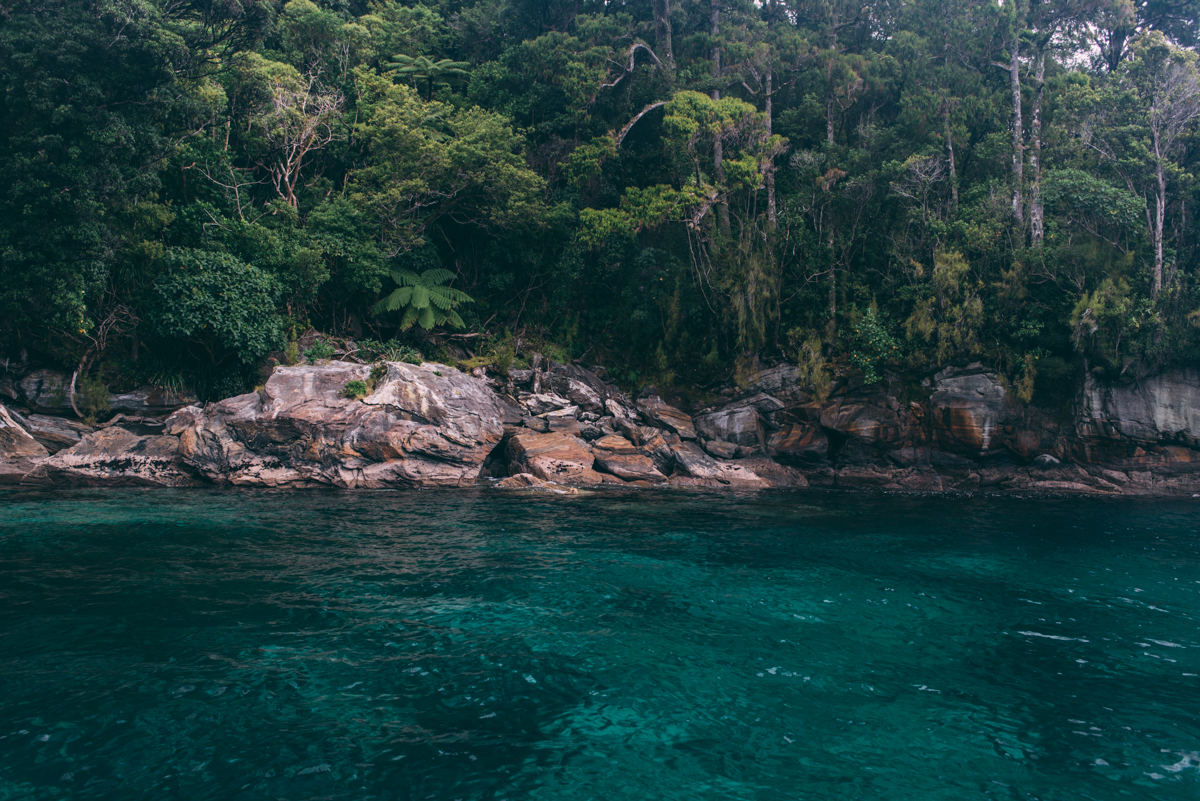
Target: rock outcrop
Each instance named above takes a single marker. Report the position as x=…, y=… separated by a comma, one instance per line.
x=554, y=427
x=19, y=451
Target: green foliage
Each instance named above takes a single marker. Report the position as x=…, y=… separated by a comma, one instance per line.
x=355, y=390
x=218, y=302
x=321, y=350
x=92, y=398
x=425, y=299
x=871, y=346
x=223, y=173
x=391, y=351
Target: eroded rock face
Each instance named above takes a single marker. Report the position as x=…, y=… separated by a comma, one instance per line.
x=114, y=457
x=1164, y=408
x=694, y=467
x=800, y=442
x=666, y=416
x=417, y=429
x=553, y=457
x=740, y=426
x=619, y=457
x=19, y=451
x=967, y=408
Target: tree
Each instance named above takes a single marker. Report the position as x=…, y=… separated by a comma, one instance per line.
x=425, y=299
x=422, y=69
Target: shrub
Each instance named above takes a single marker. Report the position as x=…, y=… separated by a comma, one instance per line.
x=320, y=351
x=354, y=390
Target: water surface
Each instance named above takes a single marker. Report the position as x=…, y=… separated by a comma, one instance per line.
x=477, y=645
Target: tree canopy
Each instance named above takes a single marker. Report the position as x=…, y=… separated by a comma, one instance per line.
x=684, y=190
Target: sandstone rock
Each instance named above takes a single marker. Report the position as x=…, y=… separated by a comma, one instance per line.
x=967, y=406
x=150, y=401
x=740, y=426
x=521, y=378
x=423, y=426
x=617, y=410
x=114, y=457
x=660, y=413
x=619, y=457
x=45, y=390
x=1163, y=407
x=718, y=449
x=553, y=457
x=528, y=481
x=693, y=463
x=19, y=451
x=869, y=423
x=539, y=403
x=799, y=442
x=54, y=433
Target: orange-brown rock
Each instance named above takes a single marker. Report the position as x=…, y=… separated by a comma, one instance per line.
x=799, y=441
x=553, y=457
x=619, y=457
x=666, y=416
x=19, y=451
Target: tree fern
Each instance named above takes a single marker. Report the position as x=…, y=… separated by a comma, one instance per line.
x=425, y=299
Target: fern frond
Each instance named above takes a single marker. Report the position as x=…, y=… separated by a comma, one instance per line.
x=426, y=318
x=437, y=275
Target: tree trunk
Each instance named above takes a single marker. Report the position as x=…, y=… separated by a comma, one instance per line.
x=829, y=101
x=771, y=216
x=662, y=33
x=1160, y=208
x=1018, y=130
x=718, y=144
x=1036, y=213
x=950, y=160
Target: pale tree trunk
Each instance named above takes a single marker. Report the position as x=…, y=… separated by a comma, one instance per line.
x=950, y=161
x=1036, y=214
x=830, y=102
x=1160, y=209
x=662, y=33
x=771, y=216
x=718, y=145
x=1018, y=129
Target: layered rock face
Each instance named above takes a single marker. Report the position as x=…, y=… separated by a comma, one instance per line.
x=422, y=426
x=554, y=427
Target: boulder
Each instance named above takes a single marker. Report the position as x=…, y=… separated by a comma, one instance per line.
x=799, y=442
x=700, y=469
x=870, y=423
x=967, y=407
x=553, y=457
x=718, y=449
x=740, y=426
x=1161, y=408
x=619, y=457
x=114, y=457
x=659, y=413
x=19, y=451
x=46, y=390
x=423, y=425
x=541, y=402
x=528, y=481
x=55, y=433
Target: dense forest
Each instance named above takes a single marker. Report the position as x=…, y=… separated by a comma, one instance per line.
x=684, y=191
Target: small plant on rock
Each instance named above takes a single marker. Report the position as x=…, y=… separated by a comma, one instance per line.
x=355, y=390
x=321, y=350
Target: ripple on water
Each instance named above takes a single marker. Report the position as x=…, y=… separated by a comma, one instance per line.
x=245, y=645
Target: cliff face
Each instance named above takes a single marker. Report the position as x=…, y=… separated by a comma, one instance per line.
x=557, y=426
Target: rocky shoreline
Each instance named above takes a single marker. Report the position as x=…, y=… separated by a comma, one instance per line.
x=561, y=427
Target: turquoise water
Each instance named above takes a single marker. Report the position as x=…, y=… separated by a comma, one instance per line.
x=476, y=645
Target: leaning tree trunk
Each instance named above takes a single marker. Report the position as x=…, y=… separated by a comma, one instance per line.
x=1160, y=208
